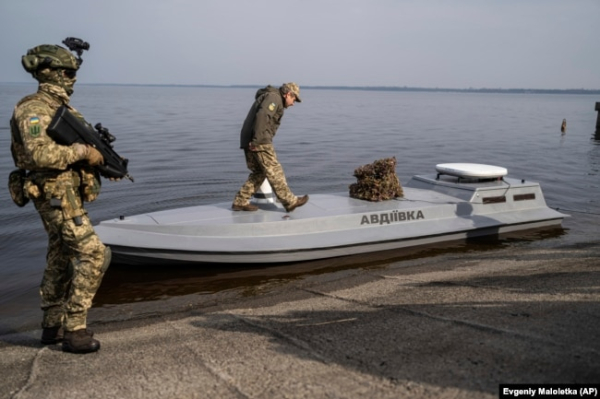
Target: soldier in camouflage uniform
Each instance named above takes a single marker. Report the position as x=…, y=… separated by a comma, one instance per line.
x=57, y=180
x=256, y=139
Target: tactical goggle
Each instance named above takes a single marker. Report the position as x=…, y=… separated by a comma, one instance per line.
x=70, y=73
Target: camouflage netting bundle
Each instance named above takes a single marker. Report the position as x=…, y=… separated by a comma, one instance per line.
x=377, y=181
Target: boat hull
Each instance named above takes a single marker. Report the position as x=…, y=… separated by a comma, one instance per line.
x=434, y=209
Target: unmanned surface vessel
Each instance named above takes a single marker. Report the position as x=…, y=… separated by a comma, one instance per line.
x=460, y=201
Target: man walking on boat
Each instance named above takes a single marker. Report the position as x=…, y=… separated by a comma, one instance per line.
x=57, y=179
x=256, y=139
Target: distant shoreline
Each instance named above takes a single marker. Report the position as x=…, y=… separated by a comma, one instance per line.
x=360, y=88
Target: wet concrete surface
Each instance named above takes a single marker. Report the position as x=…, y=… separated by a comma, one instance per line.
x=449, y=324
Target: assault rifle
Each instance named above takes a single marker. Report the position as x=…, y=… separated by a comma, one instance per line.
x=65, y=128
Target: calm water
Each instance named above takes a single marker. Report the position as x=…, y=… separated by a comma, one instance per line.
x=182, y=143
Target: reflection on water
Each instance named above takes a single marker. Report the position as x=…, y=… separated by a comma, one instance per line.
x=126, y=284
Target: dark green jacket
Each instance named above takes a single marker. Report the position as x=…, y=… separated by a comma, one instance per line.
x=264, y=118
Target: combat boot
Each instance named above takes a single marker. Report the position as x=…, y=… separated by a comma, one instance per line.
x=299, y=202
x=247, y=207
x=80, y=341
x=52, y=335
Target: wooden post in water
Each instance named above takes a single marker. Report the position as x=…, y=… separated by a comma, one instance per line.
x=598, y=119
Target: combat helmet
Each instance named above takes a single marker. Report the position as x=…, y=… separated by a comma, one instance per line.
x=55, y=57
x=49, y=56
x=45, y=62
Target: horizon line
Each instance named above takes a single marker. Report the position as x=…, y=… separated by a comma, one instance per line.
x=344, y=87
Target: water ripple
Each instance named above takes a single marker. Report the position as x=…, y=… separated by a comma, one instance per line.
x=182, y=143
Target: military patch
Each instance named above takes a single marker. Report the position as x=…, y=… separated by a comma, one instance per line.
x=272, y=107
x=34, y=126
x=35, y=130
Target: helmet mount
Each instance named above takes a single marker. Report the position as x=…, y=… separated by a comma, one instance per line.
x=76, y=45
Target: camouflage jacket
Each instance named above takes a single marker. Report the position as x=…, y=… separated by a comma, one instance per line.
x=264, y=118
x=32, y=149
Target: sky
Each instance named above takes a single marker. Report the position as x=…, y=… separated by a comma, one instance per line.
x=536, y=44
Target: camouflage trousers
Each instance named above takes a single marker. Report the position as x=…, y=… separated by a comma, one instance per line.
x=75, y=264
x=263, y=164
